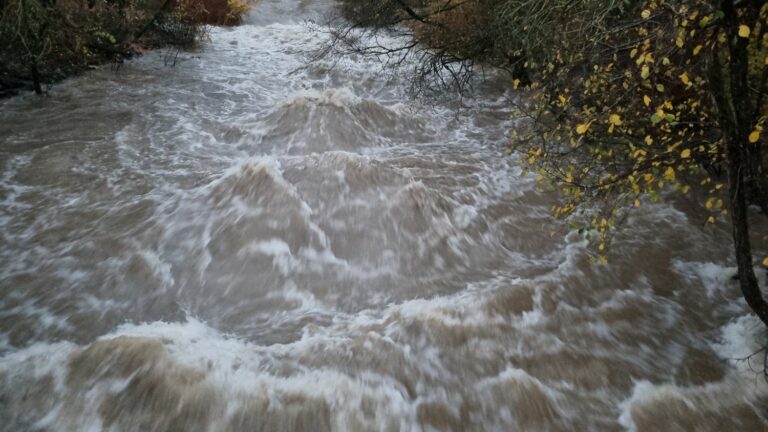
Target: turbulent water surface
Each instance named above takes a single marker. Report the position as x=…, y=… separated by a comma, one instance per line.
x=245, y=243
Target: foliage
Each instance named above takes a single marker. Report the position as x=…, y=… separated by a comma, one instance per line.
x=637, y=113
x=177, y=25
x=46, y=40
x=27, y=24
x=236, y=10
x=451, y=38
x=626, y=101
x=515, y=34
x=214, y=12
x=447, y=38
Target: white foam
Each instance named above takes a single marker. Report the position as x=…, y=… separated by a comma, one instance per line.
x=159, y=268
x=448, y=345
x=278, y=249
x=340, y=98
x=741, y=338
x=644, y=392
x=715, y=278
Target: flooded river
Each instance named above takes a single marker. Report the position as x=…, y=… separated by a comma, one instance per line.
x=243, y=243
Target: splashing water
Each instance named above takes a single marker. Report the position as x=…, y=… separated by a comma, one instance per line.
x=244, y=243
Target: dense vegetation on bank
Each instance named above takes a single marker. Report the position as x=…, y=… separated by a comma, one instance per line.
x=627, y=101
x=47, y=40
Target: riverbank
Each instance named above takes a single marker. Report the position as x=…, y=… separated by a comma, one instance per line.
x=48, y=43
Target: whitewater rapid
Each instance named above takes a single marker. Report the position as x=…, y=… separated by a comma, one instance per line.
x=250, y=242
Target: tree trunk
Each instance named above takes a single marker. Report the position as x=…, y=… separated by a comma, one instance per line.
x=736, y=113
x=36, y=78
x=739, y=218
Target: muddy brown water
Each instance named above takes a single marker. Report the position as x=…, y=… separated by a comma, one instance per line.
x=241, y=243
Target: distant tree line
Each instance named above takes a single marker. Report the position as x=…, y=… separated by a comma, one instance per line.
x=46, y=40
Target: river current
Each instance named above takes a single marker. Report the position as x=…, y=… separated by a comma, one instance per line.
x=245, y=242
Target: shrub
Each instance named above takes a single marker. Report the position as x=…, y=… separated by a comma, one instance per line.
x=46, y=40
x=213, y=12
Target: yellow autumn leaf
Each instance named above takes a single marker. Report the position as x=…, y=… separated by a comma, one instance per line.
x=645, y=72
x=721, y=37
x=684, y=78
x=646, y=100
x=648, y=58
x=744, y=31
x=583, y=128
x=645, y=14
x=669, y=174
x=754, y=136
x=648, y=140
x=697, y=49
x=685, y=154
x=601, y=247
x=711, y=219
x=615, y=119
x=710, y=203
x=637, y=203
x=517, y=83
x=679, y=42
x=765, y=261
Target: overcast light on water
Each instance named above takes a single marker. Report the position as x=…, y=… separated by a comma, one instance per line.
x=243, y=242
